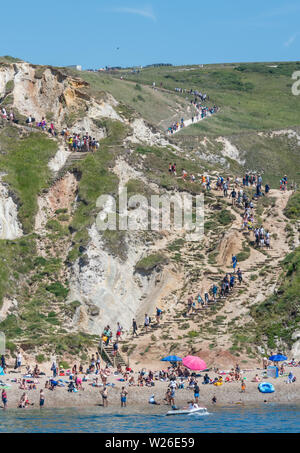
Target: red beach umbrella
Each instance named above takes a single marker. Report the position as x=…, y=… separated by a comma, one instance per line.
x=194, y=363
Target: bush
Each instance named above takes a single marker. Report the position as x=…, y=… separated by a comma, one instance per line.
x=149, y=263
x=12, y=347
x=9, y=86
x=40, y=358
x=58, y=290
x=64, y=365
x=292, y=210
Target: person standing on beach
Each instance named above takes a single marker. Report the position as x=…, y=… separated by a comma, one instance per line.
x=124, y=394
x=42, y=398
x=196, y=392
x=172, y=398
x=98, y=361
x=104, y=397
x=243, y=387
x=3, y=364
x=53, y=369
x=4, y=399
x=19, y=360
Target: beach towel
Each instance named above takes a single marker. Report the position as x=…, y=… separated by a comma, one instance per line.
x=1, y=371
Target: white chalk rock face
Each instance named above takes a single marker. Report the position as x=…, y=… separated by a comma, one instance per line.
x=10, y=227
x=109, y=289
x=295, y=352
x=59, y=160
x=6, y=74
x=143, y=134
x=230, y=150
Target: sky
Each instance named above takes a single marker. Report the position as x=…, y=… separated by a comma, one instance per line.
x=99, y=33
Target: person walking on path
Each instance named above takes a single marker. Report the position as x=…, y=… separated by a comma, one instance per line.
x=234, y=262
x=215, y=291
x=119, y=330
x=115, y=348
x=206, y=298
x=147, y=322
x=240, y=275
x=200, y=301
x=158, y=314
x=134, y=328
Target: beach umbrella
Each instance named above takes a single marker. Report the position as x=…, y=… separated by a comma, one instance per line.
x=194, y=363
x=171, y=358
x=277, y=358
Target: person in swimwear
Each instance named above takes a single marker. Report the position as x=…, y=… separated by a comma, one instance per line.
x=104, y=397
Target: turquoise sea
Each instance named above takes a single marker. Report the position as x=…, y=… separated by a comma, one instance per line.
x=268, y=418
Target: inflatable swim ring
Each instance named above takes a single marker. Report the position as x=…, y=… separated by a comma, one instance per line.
x=218, y=384
x=266, y=387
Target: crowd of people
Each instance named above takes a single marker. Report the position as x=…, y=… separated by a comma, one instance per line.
x=225, y=287
x=77, y=142
x=204, y=180
x=202, y=96
x=202, y=112
x=8, y=116
x=102, y=376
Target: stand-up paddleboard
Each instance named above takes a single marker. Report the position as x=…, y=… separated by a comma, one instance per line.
x=200, y=410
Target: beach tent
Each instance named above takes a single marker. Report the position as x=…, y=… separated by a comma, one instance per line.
x=1, y=371
x=194, y=363
x=278, y=358
x=272, y=371
x=171, y=358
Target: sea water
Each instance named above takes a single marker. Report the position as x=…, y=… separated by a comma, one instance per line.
x=268, y=418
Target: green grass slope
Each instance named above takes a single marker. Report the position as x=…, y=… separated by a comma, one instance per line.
x=278, y=317
x=25, y=160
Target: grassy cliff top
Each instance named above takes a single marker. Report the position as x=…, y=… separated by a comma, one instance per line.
x=252, y=96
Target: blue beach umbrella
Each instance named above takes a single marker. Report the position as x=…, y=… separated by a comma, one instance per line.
x=171, y=358
x=278, y=358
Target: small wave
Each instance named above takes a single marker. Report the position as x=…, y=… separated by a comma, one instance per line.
x=199, y=414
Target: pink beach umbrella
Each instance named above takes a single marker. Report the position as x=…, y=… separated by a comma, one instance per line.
x=194, y=363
